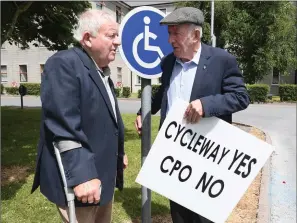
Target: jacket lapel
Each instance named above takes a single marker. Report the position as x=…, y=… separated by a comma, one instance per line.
x=96, y=78
x=201, y=71
x=117, y=108
x=100, y=85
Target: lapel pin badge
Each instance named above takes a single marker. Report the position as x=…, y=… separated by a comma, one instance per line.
x=204, y=67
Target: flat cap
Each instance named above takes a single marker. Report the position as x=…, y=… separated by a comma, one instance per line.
x=184, y=15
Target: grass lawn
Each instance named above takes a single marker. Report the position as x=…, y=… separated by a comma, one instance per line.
x=20, y=132
x=133, y=95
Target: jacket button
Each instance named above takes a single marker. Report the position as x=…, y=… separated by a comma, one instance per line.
x=116, y=133
x=116, y=154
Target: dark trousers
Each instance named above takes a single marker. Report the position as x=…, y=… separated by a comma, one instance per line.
x=180, y=214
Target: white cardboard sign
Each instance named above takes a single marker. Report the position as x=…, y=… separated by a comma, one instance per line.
x=205, y=167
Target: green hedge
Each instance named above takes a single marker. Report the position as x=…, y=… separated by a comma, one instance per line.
x=258, y=92
x=126, y=92
x=12, y=90
x=2, y=88
x=155, y=88
x=32, y=88
x=117, y=92
x=288, y=92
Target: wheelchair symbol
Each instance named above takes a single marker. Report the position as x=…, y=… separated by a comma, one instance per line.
x=146, y=35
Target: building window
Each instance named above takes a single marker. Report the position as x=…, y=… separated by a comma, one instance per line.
x=41, y=68
x=118, y=14
x=275, y=76
x=138, y=81
x=99, y=5
x=23, y=73
x=3, y=73
x=119, y=74
x=163, y=10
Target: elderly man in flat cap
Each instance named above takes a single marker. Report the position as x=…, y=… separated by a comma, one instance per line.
x=207, y=77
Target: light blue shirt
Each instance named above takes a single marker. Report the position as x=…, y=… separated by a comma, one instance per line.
x=182, y=79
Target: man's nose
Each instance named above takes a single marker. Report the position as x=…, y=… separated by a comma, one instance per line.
x=117, y=41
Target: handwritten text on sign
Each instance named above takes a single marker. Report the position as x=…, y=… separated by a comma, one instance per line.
x=206, y=167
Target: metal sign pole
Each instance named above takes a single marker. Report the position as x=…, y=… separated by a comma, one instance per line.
x=142, y=23
x=213, y=37
x=145, y=144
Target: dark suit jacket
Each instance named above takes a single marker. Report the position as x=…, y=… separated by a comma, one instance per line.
x=76, y=106
x=218, y=84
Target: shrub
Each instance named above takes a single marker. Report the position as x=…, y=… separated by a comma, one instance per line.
x=2, y=88
x=258, y=92
x=32, y=88
x=155, y=88
x=12, y=90
x=126, y=92
x=288, y=92
x=117, y=92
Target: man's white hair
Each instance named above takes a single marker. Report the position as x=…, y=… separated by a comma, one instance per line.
x=194, y=26
x=90, y=21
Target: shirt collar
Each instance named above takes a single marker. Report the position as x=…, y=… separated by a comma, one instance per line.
x=194, y=60
x=105, y=71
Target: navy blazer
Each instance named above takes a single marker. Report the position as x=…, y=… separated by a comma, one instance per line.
x=76, y=106
x=218, y=84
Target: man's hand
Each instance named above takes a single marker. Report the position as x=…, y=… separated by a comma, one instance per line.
x=88, y=191
x=125, y=161
x=194, y=111
x=138, y=124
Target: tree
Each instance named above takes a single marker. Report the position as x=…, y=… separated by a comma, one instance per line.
x=48, y=23
x=262, y=35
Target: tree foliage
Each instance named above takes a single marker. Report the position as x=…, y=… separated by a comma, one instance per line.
x=261, y=34
x=48, y=23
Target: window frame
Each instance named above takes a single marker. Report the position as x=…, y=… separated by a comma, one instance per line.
x=6, y=79
x=20, y=73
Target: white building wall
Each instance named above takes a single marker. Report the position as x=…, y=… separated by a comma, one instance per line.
x=12, y=56
x=169, y=7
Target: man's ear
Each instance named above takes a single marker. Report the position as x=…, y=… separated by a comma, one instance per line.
x=87, y=39
x=197, y=34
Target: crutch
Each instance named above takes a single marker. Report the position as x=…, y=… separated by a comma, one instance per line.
x=68, y=191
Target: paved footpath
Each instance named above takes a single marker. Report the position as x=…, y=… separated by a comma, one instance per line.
x=279, y=121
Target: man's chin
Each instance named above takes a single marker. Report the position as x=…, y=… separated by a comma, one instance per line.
x=176, y=53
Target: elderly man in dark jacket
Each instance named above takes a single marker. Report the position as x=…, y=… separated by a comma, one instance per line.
x=80, y=114
x=207, y=77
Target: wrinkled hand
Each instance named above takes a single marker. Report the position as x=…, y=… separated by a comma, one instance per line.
x=194, y=112
x=88, y=191
x=138, y=124
x=125, y=161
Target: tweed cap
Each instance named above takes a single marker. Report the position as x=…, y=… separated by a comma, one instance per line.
x=184, y=15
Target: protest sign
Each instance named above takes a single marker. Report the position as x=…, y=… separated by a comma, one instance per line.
x=205, y=167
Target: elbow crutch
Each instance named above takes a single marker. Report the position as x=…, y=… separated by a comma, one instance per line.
x=68, y=191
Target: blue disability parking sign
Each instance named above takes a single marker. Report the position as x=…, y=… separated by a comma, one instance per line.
x=144, y=41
